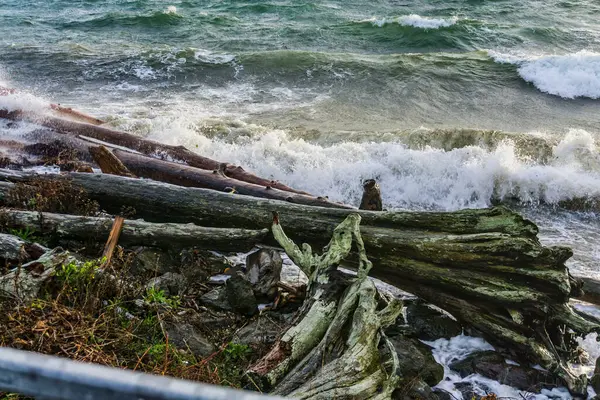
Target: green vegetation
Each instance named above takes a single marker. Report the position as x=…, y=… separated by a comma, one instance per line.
x=26, y=234
x=158, y=297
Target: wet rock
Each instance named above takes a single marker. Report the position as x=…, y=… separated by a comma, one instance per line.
x=467, y=390
x=199, y=265
x=172, y=284
x=595, y=380
x=184, y=334
x=153, y=262
x=416, y=361
x=240, y=294
x=443, y=395
x=415, y=390
x=263, y=271
x=493, y=365
x=591, y=290
x=216, y=298
x=430, y=323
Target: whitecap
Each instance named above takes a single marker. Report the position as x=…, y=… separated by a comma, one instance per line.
x=568, y=76
x=415, y=21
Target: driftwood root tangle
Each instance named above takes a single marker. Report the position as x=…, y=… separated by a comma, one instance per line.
x=333, y=350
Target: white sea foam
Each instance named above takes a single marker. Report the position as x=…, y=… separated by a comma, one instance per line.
x=568, y=76
x=428, y=178
x=213, y=58
x=415, y=21
x=457, y=348
x=24, y=102
x=171, y=10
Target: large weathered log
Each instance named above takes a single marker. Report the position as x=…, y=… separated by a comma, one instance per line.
x=183, y=175
x=135, y=232
x=332, y=351
x=145, y=146
x=487, y=261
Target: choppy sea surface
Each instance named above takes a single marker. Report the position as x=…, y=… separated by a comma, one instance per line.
x=449, y=104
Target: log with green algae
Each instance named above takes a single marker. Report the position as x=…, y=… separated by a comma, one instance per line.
x=333, y=349
x=486, y=267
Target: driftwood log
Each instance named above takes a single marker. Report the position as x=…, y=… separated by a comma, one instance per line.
x=145, y=146
x=183, y=175
x=108, y=163
x=486, y=267
x=134, y=233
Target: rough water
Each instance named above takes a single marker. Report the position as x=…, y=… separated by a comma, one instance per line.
x=449, y=104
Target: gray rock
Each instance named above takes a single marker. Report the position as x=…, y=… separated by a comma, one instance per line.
x=240, y=294
x=291, y=274
x=152, y=262
x=186, y=336
x=216, y=298
x=199, y=265
x=264, y=330
x=263, y=271
x=172, y=284
x=493, y=365
x=429, y=323
x=416, y=361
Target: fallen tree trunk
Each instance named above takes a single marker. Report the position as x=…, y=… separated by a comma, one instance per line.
x=183, y=175
x=145, y=146
x=134, y=233
x=486, y=267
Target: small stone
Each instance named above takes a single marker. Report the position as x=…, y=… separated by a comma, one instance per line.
x=240, y=294
x=172, y=284
x=216, y=298
x=185, y=335
x=153, y=262
x=198, y=265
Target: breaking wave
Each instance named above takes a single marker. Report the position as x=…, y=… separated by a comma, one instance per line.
x=415, y=21
x=568, y=76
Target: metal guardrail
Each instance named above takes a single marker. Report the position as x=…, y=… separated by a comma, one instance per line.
x=48, y=377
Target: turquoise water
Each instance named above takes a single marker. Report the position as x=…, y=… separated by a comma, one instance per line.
x=449, y=104
x=382, y=65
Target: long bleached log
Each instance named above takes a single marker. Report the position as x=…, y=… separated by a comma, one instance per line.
x=183, y=175
x=145, y=146
x=135, y=232
x=486, y=267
